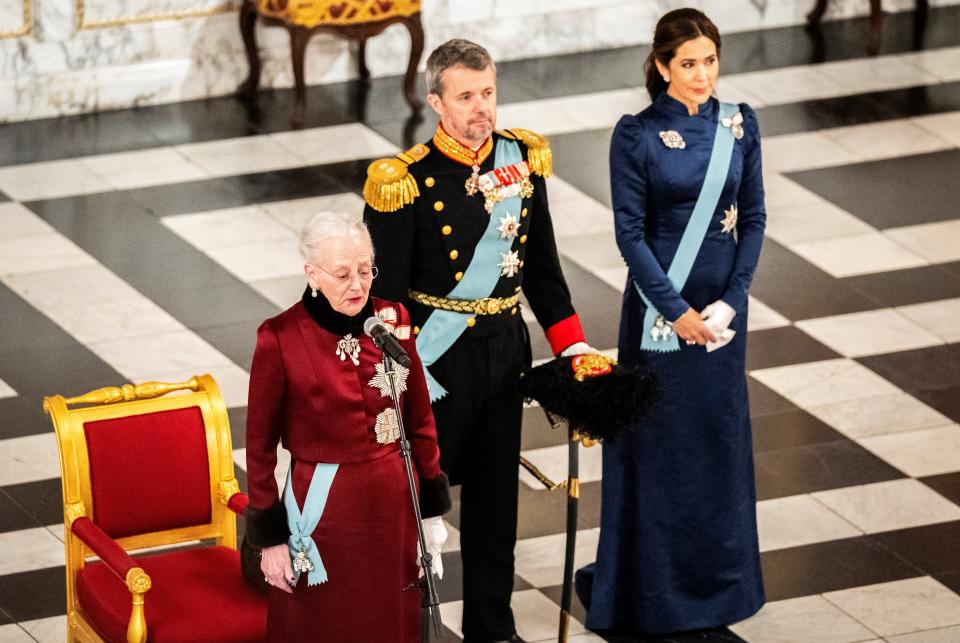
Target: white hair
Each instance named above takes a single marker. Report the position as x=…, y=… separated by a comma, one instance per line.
x=331, y=225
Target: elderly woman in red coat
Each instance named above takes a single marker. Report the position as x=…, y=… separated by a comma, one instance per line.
x=339, y=544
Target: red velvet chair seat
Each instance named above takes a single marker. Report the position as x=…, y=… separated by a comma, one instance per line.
x=197, y=595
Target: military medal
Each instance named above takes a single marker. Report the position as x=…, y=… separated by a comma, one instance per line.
x=302, y=564
x=729, y=219
x=473, y=183
x=505, y=182
x=387, y=427
x=349, y=346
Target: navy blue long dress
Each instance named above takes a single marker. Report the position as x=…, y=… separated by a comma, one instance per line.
x=678, y=541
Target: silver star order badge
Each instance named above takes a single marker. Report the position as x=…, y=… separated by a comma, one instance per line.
x=381, y=382
x=349, y=346
x=510, y=263
x=387, y=427
x=673, y=140
x=729, y=219
x=509, y=225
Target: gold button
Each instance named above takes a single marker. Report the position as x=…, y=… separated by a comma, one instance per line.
x=446, y=229
x=458, y=276
x=429, y=181
x=513, y=311
x=523, y=238
x=521, y=263
x=523, y=212
x=454, y=254
x=416, y=330
x=438, y=206
x=471, y=322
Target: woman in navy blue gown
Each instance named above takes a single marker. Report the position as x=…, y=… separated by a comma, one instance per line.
x=678, y=542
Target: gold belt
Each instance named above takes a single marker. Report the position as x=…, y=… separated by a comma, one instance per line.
x=485, y=306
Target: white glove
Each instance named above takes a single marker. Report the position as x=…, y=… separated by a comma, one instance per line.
x=579, y=348
x=435, y=534
x=718, y=316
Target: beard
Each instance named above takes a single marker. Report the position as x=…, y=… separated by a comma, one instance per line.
x=479, y=130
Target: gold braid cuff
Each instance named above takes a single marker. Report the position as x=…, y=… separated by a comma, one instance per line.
x=390, y=186
x=539, y=155
x=485, y=306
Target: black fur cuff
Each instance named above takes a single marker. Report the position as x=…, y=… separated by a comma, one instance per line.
x=267, y=527
x=434, y=496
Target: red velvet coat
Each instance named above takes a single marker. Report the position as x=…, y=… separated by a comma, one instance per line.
x=322, y=408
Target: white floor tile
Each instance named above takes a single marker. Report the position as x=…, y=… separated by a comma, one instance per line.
x=29, y=549
x=13, y=633
x=17, y=221
x=226, y=228
x=240, y=155
x=762, y=317
x=942, y=318
x=453, y=538
x=808, y=619
x=546, y=117
x=179, y=351
x=593, y=252
x=924, y=452
x=893, y=413
x=789, y=224
x=600, y=110
x=788, y=85
x=282, y=291
x=552, y=461
x=731, y=89
x=799, y=520
x=6, y=390
x=295, y=213
x=945, y=125
x=321, y=145
x=858, y=255
x=937, y=242
x=46, y=630
x=616, y=278
x=939, y=635
x=885, y=506
x=574, y=213
x=868, y=333
x=875, y=74
x=40, y=252
x=901, y=606
x=781, y=192
x=887, y=139
x=29, y=458
x=535, y=614
x=49, y=180
x=262, y=260
x=115, y=319
x=52, y=290
x=824, y=382
x=942, y=63
x=804, y=151
x=539, y=561
x=144, y=168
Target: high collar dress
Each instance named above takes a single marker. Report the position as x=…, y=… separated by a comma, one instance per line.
x=678, y=543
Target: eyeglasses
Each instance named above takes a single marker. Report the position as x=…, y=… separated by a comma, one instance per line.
x=345, y=277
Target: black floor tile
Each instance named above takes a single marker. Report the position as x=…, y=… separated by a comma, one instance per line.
x=931, y=548
x=20, y=416
x=13, y=517
x=41, y=499
x=597, y=303
x=924, y=369
x=450, y=587
x=543, y=512
x=785, y=282
x=238, y=426
x=894, y=192
x=946, y=484
x=294, y=183
x=537, y=431
x=789, y=430
x=555, y=594
x=581, y=158
x=236, y=340
x=816, y=467
x=765, y=401
x=4, y=197
x=783, y=346
x=231, y=304
x=946, y=400
x=951, y=580
x=5, y=619
x=831, y=566
x=36, y=594
x=24, y=326
x=909, y=286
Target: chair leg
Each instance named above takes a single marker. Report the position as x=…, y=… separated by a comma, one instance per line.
x=876, y=28
x=362, y=60
x=415, y=27
x=299, y=37
x=248, y=23
x=817, y=12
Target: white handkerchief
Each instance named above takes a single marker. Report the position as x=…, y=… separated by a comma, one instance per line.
x=724, y=337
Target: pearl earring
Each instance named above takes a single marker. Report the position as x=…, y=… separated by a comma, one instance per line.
x=313, y=292
x=666, y=79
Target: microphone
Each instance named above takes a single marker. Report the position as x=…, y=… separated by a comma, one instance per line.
x=385, y=340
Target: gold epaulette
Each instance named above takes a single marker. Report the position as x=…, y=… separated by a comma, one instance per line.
x=389, y=184
x=538, y=150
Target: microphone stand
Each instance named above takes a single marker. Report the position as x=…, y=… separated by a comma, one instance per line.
x=430, y=602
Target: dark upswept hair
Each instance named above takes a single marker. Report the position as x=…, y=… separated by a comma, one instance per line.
x=455, y=52
x=674, y=29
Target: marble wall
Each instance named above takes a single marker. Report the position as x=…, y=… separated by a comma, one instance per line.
x=71, y=56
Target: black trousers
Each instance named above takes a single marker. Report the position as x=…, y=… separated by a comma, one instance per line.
x=478, y=429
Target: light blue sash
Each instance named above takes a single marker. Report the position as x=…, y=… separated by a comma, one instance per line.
x=696, y=229
x=303, y=525
x=444, y=327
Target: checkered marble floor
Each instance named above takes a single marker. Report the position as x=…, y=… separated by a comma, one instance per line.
x=150, y=243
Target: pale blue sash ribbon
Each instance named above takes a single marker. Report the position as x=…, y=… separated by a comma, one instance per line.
x=444, y=327
x=303, y=524
x=696, y=230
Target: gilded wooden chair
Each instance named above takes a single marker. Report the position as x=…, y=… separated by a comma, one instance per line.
x=356, y=20
x=150, y=466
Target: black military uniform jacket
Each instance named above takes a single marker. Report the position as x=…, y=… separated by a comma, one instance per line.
x=425, y=227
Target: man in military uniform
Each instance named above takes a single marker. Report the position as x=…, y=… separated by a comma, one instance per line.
x=461, y=226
